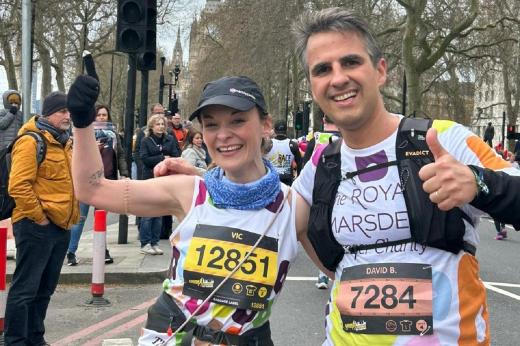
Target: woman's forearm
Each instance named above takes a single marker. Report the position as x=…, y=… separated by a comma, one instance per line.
x=87, y=166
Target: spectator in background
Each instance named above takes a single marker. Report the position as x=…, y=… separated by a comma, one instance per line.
x=113, y=155
x=167, y=220
x=188, y=125
x=329, y=131
x=155, y=147
x=284, y=154
x=178, y=130
x=489, y=134
x=194, y=153
x=46, y=209
x=11, y=119
x=156, y=108
x=503, y=152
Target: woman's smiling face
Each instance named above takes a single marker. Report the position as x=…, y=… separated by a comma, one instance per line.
x=234, y=140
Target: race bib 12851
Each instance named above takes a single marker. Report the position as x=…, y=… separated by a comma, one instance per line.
x=215, y=251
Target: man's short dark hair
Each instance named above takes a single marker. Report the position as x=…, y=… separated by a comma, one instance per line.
x=334, y=19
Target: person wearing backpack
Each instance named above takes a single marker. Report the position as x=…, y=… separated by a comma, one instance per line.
x=384, y=234
x=284, y=154
x=46, y=208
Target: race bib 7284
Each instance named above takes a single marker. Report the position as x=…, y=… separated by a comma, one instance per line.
x=386, y=298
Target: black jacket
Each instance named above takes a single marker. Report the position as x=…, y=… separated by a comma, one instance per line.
x=503, y=200
x=153, y=149
x=489, y=133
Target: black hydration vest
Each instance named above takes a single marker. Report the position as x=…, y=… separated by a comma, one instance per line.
x=428, y=224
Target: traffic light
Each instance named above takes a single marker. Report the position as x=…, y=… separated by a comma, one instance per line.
x=137, y=31
x=147, y=60
x=306, y=115
x=130, y=26
x=298, y=120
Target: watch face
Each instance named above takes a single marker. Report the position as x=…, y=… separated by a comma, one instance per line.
x=483, y=187
x=479, y=176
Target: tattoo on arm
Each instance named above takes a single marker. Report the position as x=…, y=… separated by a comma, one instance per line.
x=96, y=177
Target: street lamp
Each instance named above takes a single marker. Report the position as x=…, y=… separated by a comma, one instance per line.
x=161, y=80
x=173, y=103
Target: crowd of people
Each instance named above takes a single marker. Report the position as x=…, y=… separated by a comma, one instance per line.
x=396, y=235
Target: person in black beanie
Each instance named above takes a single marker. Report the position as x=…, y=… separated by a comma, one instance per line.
x=46, y=208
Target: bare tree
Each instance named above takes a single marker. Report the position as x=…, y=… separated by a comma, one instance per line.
x=9, y=33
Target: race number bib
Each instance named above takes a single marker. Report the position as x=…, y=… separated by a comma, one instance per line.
x=386, y=298
x=215, y=251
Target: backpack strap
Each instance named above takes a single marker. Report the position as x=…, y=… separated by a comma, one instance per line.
x=428, y=224
x=41, y=145
x=326, y=183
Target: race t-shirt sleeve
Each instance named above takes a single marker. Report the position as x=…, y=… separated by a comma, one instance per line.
x=470, y=149
x=467, y=147
x=305, y=182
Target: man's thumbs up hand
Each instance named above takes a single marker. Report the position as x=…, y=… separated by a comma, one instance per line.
x=435, y=146
x=448, y=182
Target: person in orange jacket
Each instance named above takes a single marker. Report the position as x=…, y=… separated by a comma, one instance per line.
x=46, y=208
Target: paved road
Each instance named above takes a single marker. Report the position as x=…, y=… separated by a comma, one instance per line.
x=297, y=317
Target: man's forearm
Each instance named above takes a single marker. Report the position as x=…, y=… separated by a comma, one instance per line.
x=502, y=202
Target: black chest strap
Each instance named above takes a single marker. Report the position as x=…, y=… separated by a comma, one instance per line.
x=428, y=224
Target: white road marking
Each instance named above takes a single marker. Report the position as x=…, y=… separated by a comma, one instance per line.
x=503, y=284
x=302, y=278
x=501, y=291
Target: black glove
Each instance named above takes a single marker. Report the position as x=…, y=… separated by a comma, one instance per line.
x=13, y=110
x=82, y=97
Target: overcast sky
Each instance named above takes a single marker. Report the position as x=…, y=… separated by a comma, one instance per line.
x=184, y=12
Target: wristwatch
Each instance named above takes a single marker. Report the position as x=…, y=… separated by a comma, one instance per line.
x=478, y=172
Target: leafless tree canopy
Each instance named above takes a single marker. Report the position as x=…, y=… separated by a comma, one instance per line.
x=446, y=48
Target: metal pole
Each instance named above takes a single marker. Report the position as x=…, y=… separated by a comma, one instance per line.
x=129, y=131
x=503, y=128
x=144, y=99
x=170, y=97
x=26, y=58
x=111, y=83
x=84, y=37
x=405, y=87
x=287, y=90
x=161, y=81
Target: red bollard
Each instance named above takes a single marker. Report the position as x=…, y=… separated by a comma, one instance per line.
x=98, y=259
x=3, y=270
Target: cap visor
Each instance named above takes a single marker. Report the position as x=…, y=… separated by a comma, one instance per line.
x=238, y=103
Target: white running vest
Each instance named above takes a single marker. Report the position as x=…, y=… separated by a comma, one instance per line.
x=281, y=156
x=208, y=244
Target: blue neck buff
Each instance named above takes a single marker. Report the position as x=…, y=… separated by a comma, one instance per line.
x=229, y=195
